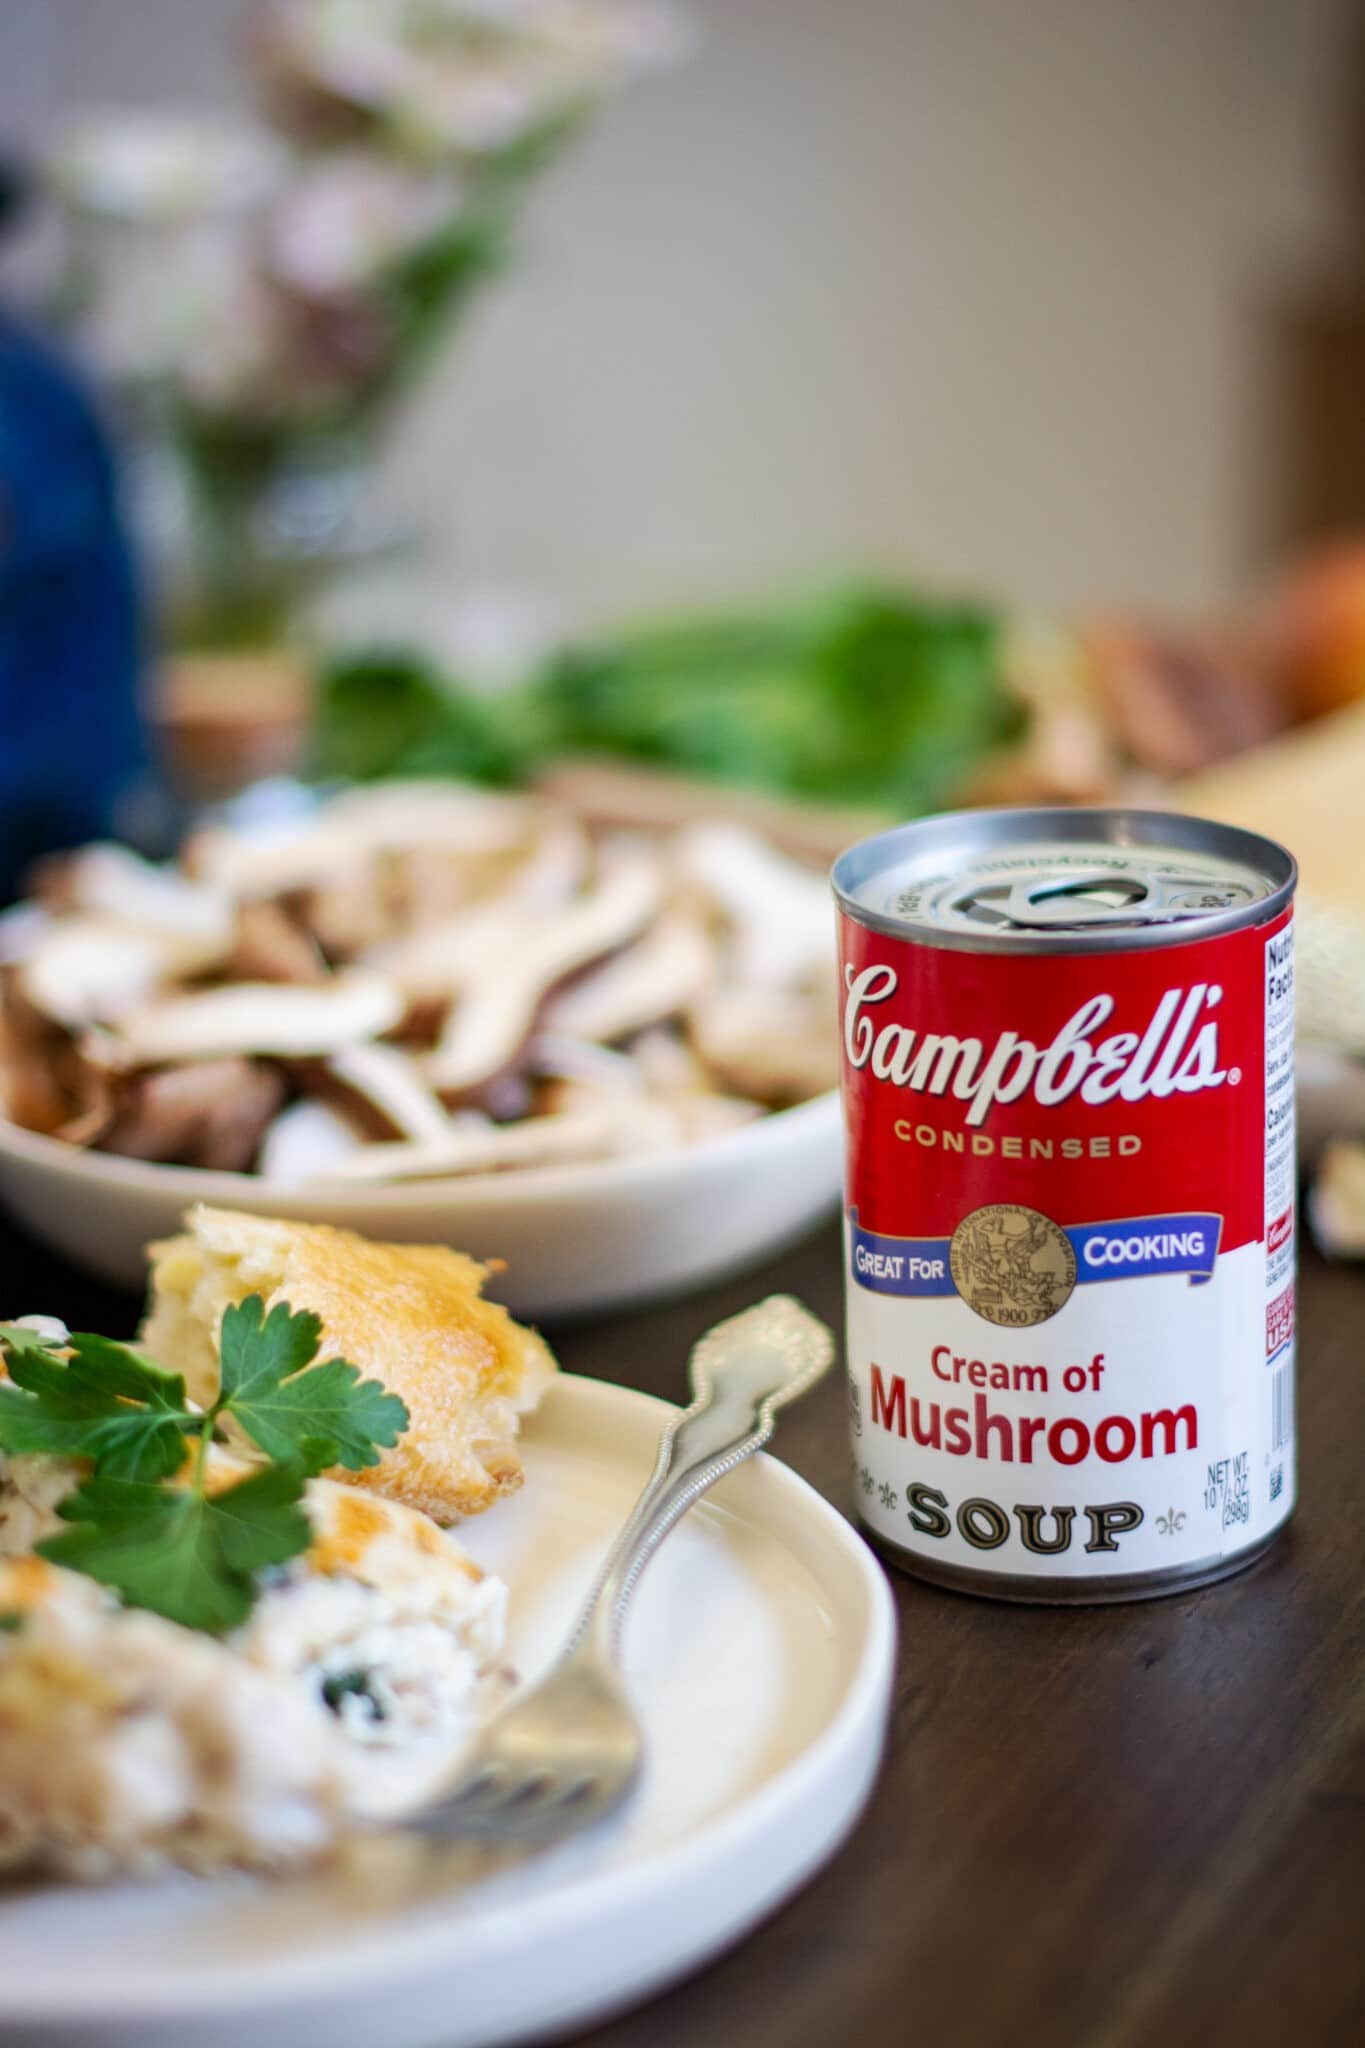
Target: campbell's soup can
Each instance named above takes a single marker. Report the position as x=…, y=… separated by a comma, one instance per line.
x=1068, y=1075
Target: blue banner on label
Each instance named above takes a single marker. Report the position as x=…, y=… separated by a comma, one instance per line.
x=899, y=1265
x=1146, y=1244
x=1132, y=1249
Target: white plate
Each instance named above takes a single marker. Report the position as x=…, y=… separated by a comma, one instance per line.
x=760, y=1656
x=575, y=1238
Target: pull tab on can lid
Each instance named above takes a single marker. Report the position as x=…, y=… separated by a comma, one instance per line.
x=1079, y=888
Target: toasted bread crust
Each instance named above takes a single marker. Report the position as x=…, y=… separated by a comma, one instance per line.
x=411, y=1316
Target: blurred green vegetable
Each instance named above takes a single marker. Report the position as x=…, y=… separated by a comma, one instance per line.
x=866, y=694
x=387, y=714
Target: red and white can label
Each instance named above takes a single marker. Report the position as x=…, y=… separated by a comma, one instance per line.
x=1070, y=1243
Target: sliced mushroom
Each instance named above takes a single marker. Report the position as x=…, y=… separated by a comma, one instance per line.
x=258, y=1017
x=90, y=1124
x=21, y=927
x=645, y=1123
x=667, y=1062
x=502, y=1100
x=655, y=1100
x=430, y=965
x=427, y=885
x=348, y=914
x=656, y=978
x=387, y=1081
x=766, y=1043
x=92, y=1095
x=213, y=1113
x=659, y=1063
x=265, y=858
x=270, y=945
x=495, y=948
x=442, y=958
x=536, y=1141
x=630, y=1109
x=84, y=970
x=31, y=1092
x=782, y=915
x=352, y=829
x=111, y=882
x=555, y=1056
x=307, y=1139
x=490, y=1025
x=47, y=1081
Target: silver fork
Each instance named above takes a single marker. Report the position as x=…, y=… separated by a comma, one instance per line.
x=570, y=1751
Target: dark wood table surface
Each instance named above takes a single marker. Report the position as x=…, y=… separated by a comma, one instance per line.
x=1106, y=1826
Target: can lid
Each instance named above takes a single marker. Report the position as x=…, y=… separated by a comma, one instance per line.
x=1049, y=888
x=1020, y=881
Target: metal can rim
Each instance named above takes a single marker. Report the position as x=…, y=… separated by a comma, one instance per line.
x=1182, y=829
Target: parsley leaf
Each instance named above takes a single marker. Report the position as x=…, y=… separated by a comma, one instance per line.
x=105, y=1402
x=317, y=1415
x=178, y=1551
x=19, y=1340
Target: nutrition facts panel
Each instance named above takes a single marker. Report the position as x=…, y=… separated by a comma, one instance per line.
x=1279, y=1136
x=1279, y=1210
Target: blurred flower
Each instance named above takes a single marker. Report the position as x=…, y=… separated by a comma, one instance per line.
x=349, y=217
x=158, y=208
x=158, y=165
x=236, y=364
x=263, y=297
x=143, y=317
x=469, y=77
x=269, y=361
x=290, y=280
x=477, y=109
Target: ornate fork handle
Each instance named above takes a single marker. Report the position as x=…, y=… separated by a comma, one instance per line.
x=570, y=1750
x=741, y=1373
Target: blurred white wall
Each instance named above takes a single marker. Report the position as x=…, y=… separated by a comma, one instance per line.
x=973, y=287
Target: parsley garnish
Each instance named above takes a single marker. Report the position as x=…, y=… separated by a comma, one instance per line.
x=105, y=1402
x=178, y=1550
x=182, y=1551
x=325, y=1416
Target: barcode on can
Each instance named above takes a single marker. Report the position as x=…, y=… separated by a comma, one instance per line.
x=1281, y=1406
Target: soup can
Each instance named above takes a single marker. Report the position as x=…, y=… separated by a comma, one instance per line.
x=1068, y=1081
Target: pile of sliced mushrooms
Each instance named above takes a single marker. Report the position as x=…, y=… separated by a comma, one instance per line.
x=416, y=980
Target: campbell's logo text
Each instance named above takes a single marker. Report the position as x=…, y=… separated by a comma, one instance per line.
x=1176, y=1054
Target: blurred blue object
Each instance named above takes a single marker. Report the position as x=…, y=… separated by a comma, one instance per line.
x=72, y=745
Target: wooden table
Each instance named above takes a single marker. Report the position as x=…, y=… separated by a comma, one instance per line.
x=1103, y=1827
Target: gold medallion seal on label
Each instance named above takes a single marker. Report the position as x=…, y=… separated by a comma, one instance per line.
x=1012, y=1265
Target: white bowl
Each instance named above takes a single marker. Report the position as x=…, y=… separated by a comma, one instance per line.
x=574, y=1238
